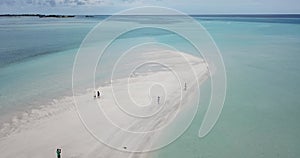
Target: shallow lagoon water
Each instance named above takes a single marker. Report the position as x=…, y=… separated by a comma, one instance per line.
x=261, y=111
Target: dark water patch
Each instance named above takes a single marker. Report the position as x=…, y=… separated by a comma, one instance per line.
x=22, y=55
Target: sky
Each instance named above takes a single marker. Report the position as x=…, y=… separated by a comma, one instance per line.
x=112, y=6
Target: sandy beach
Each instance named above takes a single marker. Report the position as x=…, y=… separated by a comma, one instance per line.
x=126, y=120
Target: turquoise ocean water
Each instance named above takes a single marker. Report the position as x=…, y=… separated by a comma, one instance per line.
x=262, y=58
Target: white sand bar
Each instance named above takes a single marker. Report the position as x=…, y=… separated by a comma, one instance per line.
x=128, y=116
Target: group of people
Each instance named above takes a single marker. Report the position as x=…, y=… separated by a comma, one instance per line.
x=98, y=94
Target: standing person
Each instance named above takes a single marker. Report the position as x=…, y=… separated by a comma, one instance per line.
x=185, y=86
x=58, y=152
x=158, y=99
x=98, y=94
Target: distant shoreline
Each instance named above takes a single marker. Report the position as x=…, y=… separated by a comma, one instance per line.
x=193, y=15
x=37, y=15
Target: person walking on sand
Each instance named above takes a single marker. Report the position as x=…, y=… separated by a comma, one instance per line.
x=58, y=152
x=158, y=99
x=98, y=94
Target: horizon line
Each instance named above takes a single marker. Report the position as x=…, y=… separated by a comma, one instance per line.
x=210, y=14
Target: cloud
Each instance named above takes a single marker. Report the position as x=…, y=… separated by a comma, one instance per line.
x=52, y=3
